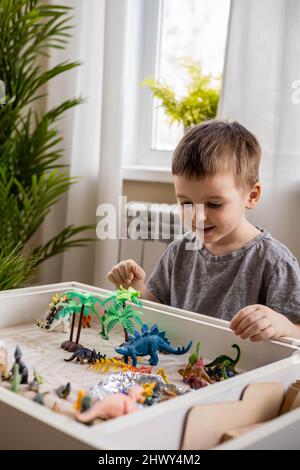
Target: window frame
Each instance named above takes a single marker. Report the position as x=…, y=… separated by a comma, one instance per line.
x=144, y=29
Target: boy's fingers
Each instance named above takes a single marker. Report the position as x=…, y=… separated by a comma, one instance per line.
x=116, y=274
x=256, y=328
x=242, y=314
x=129, y=271
x=122, y=273
x=139, y=272
x=268, y=333
x=248, y=320
x=112, y=279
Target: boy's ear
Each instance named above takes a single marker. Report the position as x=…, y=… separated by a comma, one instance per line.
x=253, y=196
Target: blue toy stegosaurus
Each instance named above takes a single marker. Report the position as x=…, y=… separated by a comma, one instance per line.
x=148, y=342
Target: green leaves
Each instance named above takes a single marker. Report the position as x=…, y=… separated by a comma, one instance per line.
x=200, y=102
x=32, y=178
x=15, y=268
x=125, y=316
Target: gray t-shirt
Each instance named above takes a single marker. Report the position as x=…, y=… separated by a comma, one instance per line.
x=263, y=272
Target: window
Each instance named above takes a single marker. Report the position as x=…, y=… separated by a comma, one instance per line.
x=169, y=31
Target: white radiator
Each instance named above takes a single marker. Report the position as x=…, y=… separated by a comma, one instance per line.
x=150, y=228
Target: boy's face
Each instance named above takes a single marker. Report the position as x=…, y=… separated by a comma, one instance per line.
x=223, y=209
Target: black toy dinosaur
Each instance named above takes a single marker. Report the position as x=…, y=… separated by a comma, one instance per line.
x=86, y=355
x=22, y=367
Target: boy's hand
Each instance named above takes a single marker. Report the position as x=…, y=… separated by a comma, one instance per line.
x=259, y=322
x=127, y=273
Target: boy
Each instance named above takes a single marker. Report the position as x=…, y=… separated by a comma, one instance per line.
x=240, y=273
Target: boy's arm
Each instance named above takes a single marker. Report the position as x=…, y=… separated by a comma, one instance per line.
x=261, y=322
x=258, y=322
x=147, y=295
x=296, y=331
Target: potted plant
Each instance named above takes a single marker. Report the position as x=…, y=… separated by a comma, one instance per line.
x=200, y=102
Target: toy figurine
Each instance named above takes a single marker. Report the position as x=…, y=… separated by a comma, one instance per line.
x=4, y=374
x=223, y=367
x=54, y=319
x=39, y=399
x=195, y=355
x=194, y=373
x=148, y=342
x=106, y=363
x=113, y=406
x=83, y=402
x=86, y=355
x=63, y=391
x=22, y=368
x=15, y=379
x=55, y=407
x=37, y=377
x=34, y=386
x=121, y=313
x=77, y=403
x=86, y=304
x=86, y=321
x=163, y=374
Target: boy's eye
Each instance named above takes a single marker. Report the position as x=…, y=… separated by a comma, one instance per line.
x=214, y=205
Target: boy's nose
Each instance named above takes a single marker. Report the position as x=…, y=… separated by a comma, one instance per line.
x=199, y=215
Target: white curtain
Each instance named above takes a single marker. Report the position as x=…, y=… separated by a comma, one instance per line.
x=92, y=135
x=262, y=66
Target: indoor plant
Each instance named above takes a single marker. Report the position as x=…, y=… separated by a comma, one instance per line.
x=200, y=102
x=32, y=178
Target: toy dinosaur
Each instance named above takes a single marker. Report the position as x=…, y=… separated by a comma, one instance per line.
x=83, y=402
x=37, y=377
x=15, y=379
x=22, y=368
x=113, y=406
x=34, y=386
x=86, y=321
x=4, y=374
x=54, y=319
x=105, y=364
x=223, y=367
x=148, y=342
x=39, y=399
x=63, y=391
x=86, y=355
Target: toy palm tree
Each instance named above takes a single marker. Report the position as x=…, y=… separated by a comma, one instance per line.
x=125, y=316
x=86, y=303
x=119, y=299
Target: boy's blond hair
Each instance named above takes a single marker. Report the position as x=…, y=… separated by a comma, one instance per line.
x=216, y=145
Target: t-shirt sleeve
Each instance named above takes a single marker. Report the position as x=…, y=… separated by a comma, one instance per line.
x=283, y=294
x=159, y=282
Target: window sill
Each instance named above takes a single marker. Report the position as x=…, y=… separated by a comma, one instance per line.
x=154, y=174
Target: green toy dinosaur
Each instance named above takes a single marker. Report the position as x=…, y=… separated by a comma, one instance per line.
x=226, y=363
x=15, y=379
